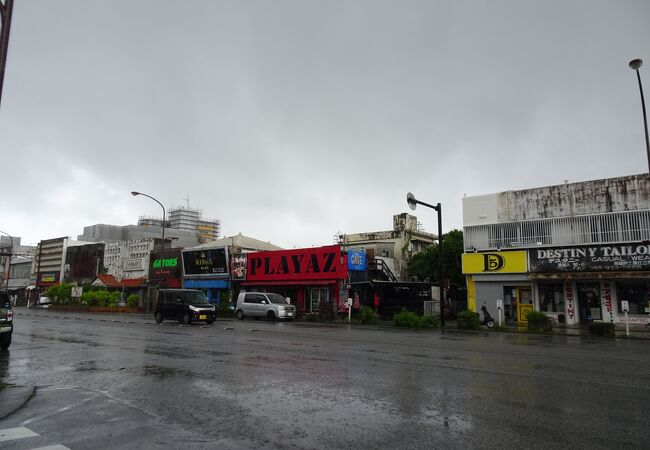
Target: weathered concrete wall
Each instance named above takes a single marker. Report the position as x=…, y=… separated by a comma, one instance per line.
x=575, y=199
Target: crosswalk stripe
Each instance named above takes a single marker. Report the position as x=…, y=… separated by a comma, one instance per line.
x=9, y=434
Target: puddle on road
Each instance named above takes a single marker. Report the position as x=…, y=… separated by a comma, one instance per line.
x=163, y=372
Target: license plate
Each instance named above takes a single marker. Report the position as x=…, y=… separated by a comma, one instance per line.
x=203, y=317
x=290, y=314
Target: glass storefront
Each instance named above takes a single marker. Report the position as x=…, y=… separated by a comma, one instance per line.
x=636, y=294
x=551, y=298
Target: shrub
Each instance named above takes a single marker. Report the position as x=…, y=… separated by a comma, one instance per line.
x=602, y=329
x=368, y=315
x=408, y=319
x=429, y=321
x=132, y=300
x=102, y=298
x=312, y=317
x=89, y=298
x=538, y=321
x=468, y=320
x=114, y=298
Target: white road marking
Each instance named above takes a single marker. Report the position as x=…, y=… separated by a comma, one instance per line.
x=53, y=447
x=9, y=434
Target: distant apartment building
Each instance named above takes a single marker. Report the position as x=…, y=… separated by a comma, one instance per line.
x=188, y=219
x=394, y=247
x=579, y=252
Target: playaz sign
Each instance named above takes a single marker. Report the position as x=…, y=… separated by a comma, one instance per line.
x=308, y=264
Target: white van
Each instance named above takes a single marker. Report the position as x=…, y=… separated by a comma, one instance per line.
x=264, y=304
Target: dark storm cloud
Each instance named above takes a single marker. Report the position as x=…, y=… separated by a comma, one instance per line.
x=292, y=120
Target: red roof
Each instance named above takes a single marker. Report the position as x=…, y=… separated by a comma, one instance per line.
x=112, y=282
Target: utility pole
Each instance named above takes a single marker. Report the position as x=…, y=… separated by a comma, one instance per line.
x=6, y=7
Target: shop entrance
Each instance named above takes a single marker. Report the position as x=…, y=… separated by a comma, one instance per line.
x=316, y=296
x=589, y=302
x=524, y=302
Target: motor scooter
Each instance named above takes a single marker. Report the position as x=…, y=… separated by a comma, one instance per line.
x=488, y=321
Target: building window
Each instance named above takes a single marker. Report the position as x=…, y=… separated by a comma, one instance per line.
x=551, y=298
x=636, y=293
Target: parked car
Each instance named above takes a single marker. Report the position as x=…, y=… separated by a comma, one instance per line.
x=184, y=305
x=6, y=321
x=264, y=304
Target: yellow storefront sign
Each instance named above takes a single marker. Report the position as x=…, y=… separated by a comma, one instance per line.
x=494, y=262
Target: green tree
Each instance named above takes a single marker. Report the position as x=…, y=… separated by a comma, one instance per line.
x=425, y=265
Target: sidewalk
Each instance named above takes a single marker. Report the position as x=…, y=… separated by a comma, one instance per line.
x=636, y=332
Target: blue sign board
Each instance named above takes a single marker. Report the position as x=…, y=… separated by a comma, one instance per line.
x=357, y=260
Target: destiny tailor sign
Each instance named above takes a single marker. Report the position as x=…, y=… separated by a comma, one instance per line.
x=591, y=258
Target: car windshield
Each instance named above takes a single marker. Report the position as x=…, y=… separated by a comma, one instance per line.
x=198, y=298
x=276, y=298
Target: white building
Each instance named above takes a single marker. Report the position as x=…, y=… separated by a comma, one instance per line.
x=576, y=251
x=128, y=259
x=394, y=247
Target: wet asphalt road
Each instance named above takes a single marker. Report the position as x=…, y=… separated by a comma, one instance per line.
x=125, y=382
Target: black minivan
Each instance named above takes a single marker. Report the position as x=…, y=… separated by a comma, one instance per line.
x=184, y=305
x=6, y=321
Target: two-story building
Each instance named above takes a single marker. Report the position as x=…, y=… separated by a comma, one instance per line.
x=576, y=251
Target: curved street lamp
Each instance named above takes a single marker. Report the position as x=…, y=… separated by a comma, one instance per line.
x=413, y=202
x=8, y=264
x=635, y=65
x=135, y=193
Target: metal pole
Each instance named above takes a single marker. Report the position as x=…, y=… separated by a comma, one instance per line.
x=645, y=119
x=5, y=20
x=438, y=208
x=635, y=65
x=134, y=193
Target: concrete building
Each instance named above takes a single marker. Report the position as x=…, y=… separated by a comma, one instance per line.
x=579, y=251
x=188, y=219
x=124, y=233
x=50, y=264
x=130, y=259
x=395, y=247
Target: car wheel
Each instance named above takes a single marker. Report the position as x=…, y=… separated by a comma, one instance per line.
x=159, y=317
x=5, y=342
x=270, y=315
x=240, y=314
x=209, y=321
x=187, y=319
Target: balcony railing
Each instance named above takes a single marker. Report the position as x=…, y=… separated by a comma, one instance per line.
x=620, y=227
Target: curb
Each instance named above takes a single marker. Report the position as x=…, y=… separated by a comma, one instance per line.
x=12, y=398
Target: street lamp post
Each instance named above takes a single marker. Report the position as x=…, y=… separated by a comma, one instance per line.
x=413, y=202
x=134, y=193
x=635, y=65
x=6, y=8
x=8, y=263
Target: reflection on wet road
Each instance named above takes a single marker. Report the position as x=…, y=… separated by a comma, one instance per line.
x=256, y=384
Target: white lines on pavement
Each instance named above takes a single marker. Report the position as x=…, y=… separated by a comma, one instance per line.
x=53, y=447
x=9, y=434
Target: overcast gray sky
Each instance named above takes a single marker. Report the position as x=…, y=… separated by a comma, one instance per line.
x=293, y=120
